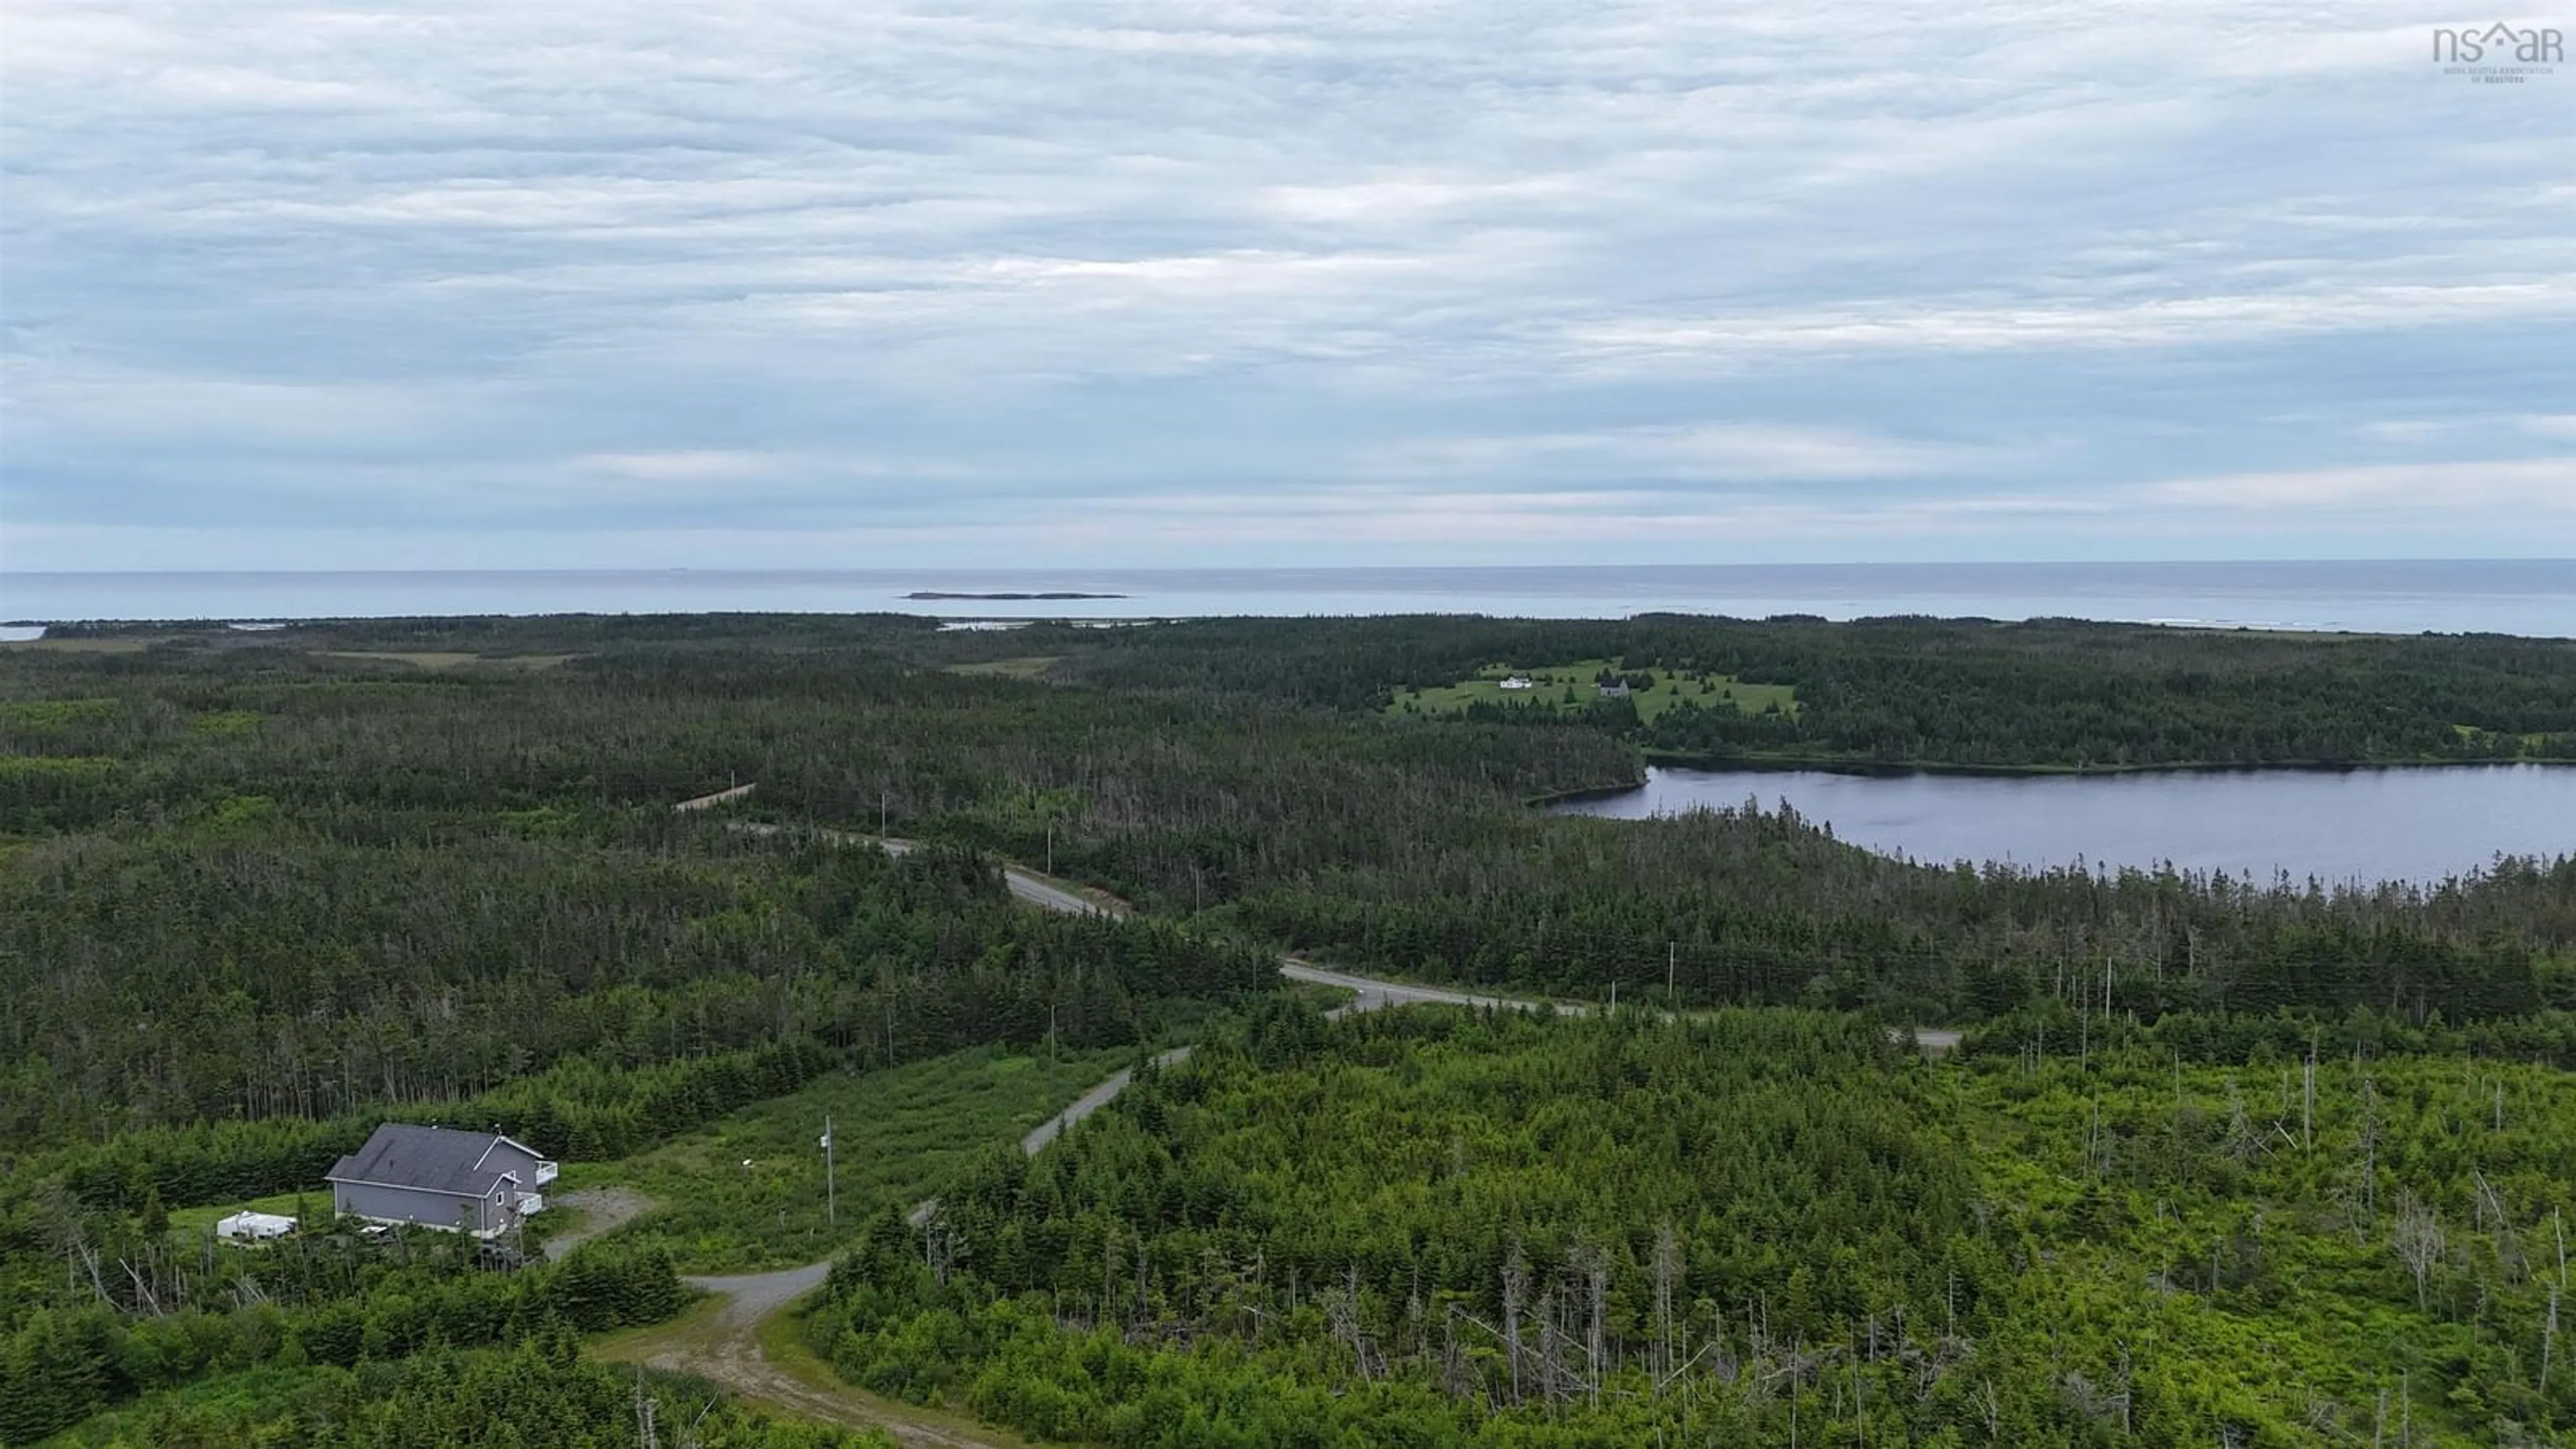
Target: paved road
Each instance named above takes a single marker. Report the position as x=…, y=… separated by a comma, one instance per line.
x=1372, y=994
x=733, y=1356
x=1026, y=885
x=1369, y=993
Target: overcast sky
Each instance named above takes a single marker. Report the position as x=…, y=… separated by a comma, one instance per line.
x=816, y=284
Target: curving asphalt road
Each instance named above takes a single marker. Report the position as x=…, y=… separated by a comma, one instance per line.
x=746, y=1299
x=1369, y=993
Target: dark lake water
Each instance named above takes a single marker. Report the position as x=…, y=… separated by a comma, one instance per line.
x=2366, y=825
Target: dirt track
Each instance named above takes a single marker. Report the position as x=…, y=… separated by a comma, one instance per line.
x=722, y=1340
x=601, y=1209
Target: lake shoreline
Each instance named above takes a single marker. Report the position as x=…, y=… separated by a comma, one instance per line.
x=1778, y=765
x=1844, y=765
x=2360, y=825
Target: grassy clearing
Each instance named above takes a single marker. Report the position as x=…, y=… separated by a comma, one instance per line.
x=1029, y=666
x=308, y=1207
x=2533, y=740
x=446, y=659
x=119, y=645
x=900, y=1134
x=1571, y=686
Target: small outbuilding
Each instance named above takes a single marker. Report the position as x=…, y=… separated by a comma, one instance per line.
x=251, y=1227
x=479, y=1182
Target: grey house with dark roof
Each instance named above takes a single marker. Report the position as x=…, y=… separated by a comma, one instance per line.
x=481, y=1182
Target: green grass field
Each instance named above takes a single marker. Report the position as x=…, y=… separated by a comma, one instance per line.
x=1552, y=684
x=898, y=1135
x=191, y=1223
x=1030, y=666
x=445, y=659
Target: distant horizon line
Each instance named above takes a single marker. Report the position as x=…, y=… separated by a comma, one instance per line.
x=1016, y=568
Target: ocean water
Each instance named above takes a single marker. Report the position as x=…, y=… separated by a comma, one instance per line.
x=2534, y=597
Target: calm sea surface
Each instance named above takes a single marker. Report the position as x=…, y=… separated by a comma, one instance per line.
x=2514, y=597
x=2366, y=825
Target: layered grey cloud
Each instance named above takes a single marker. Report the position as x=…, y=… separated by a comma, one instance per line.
x=809, y=283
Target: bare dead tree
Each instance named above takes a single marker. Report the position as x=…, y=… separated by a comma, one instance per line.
x=1342, y=1312
x=89, y=1260
x=1108, y=1268
x=1515, y=1283
x=1667, y=1268
x=2243, y=1142
x=646, y=1436
x=2369, y=1154
x=144, y=1297
x=2418, y=1241
x=2508, y=1244
x=1548, y=1338
x=1596, y=1273
x=2308, y=1100
x=2548, y=1337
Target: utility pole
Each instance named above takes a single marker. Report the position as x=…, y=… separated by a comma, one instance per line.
x=881, y=813
x=831, y=1193
x=1672, y=963
x=1050, y=847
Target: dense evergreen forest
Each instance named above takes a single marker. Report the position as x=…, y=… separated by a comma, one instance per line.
x=540, y=1393
x=259, y=891
x=1381, y=841
x=2049, y=693
x=1433, y=1228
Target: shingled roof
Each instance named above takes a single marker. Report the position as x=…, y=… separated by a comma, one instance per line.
x=431, y=1158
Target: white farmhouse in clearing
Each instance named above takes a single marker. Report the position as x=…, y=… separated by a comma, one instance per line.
x=1519, y=681
x=481, y=1182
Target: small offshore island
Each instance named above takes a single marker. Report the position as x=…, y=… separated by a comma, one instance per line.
x=1007, y=597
